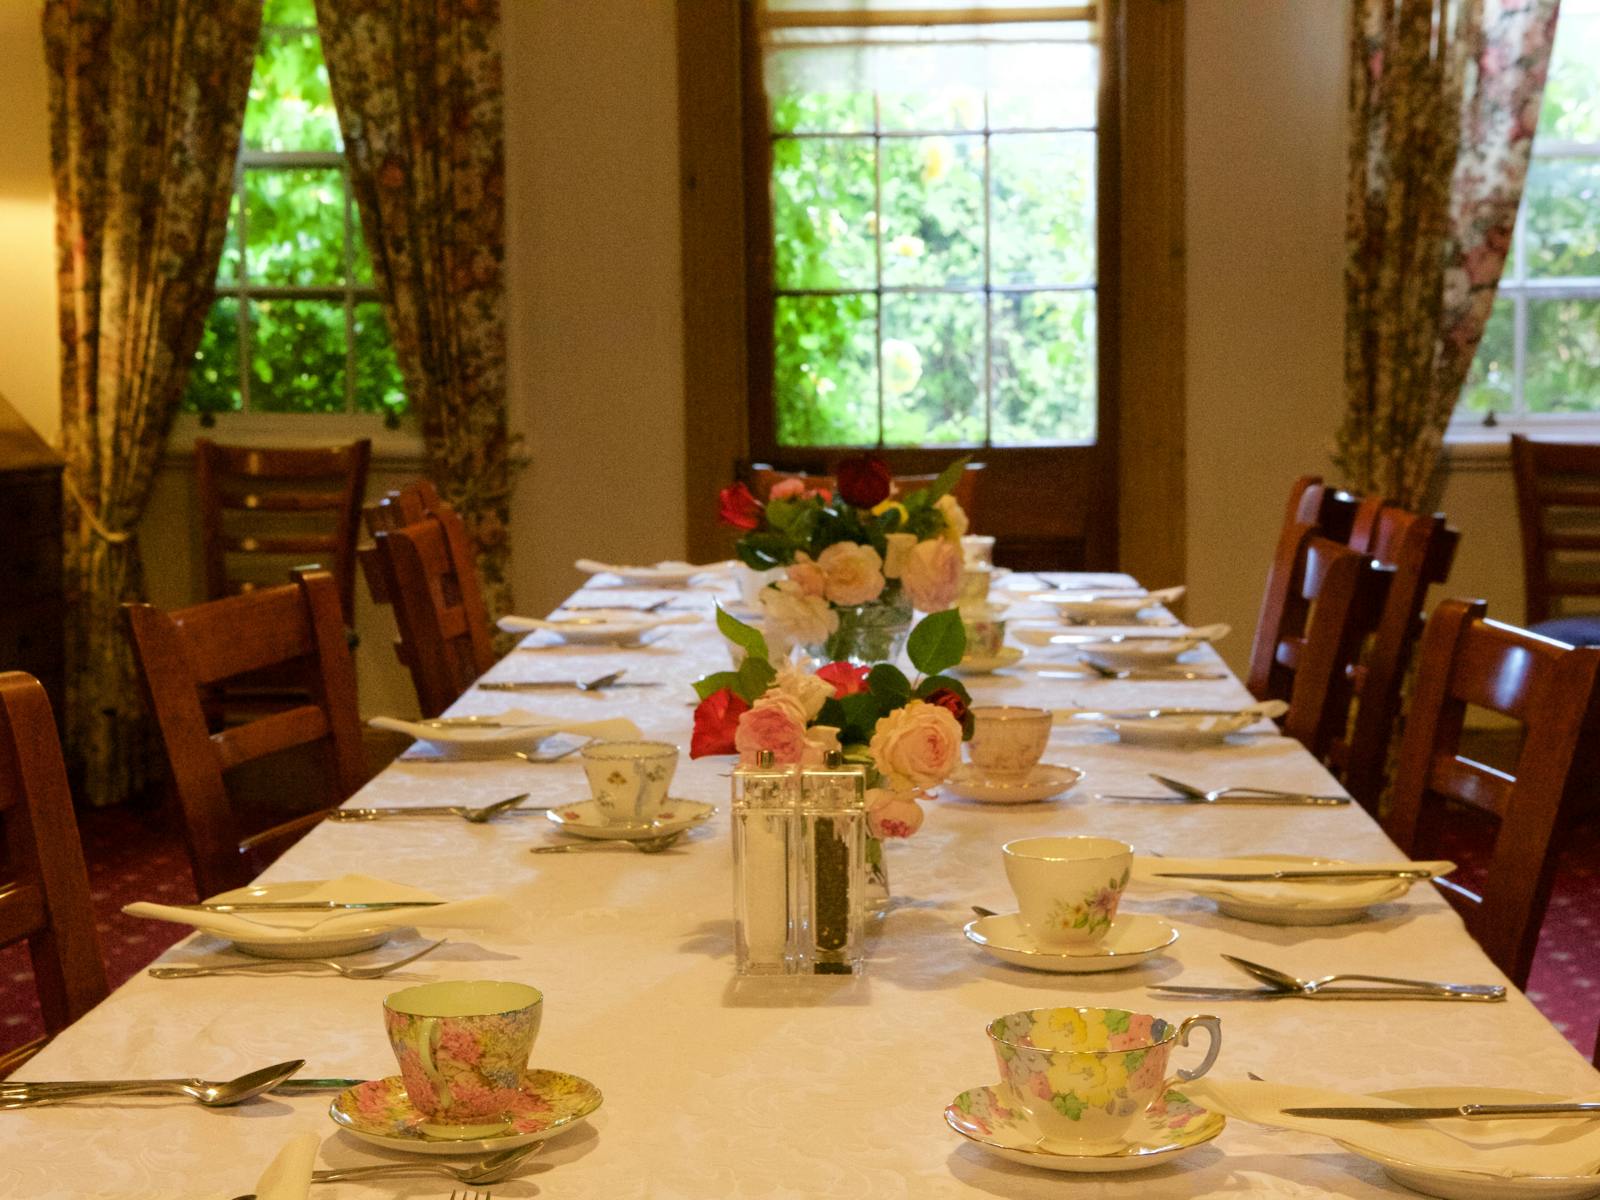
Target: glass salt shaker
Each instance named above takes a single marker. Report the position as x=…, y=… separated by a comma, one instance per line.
x=766, y=847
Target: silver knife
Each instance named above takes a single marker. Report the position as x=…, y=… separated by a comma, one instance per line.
x=1470, y=1112
x=1286, y=799
x=422, y=810
x=1151, y=714
x=305, y=1087
x=1490, y=994
x=1291, y=876
x=532, y=685
x=309, y=905
x=1130, y=675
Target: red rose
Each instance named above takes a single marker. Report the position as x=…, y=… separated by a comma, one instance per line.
x=947, y=699
x=847, y=679
x=715, y=720
x=738, y=507
x=864, y=480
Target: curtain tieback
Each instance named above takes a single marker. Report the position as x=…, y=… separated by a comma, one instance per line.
x=95, y=523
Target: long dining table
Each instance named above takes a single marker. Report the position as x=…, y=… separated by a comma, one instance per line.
x=722, y=1086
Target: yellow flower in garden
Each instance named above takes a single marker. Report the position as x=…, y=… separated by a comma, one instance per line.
x=902, y=366
x=937, y=156
x=907, y=245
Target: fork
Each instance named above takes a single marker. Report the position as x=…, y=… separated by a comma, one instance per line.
x=1242, y=795
x=286, y=966
x=475, y=816
x=1290, y=983
x=653, y=845
x=497, y=1168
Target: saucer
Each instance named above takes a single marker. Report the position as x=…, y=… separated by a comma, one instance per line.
x=309, y=944
x=1043, y=781
x=1168, y=1128
x=586, y=819
x=1256, y=902
x=1457, y=1184
x=1132, y=939
x=988, y=664
x=380, y=1112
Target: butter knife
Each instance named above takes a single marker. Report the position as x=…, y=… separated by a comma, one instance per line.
x=1490, y=994
x=534, y=685
x=1241, y=798
x=309, y=906
x=1470, y=1112
x=1292, y=876
x=422, y=810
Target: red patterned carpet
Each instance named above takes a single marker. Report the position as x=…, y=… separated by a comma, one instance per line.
x=131, y=856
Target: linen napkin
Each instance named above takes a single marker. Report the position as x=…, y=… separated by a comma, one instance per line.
x=494, y=912
x=288, y=1177
x=1110, y=597
x=467, y=741
x=1287, y=893
x=1084, y=639
x=671, y=568
x=613, y=627
x=1505, y=1149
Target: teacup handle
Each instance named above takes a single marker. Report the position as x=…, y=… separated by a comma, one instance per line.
x=424, y=1038
x=1213, y=1026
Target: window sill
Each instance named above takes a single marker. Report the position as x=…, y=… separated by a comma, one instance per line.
x=1473, y=447
x=395, y=449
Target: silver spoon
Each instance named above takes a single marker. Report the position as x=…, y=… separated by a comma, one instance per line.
x=286, y=966
x=477, y=816
x=653, y=845
x=1241, y=793
x=211, y=1094
x=1283, y=981
x=497, y=1168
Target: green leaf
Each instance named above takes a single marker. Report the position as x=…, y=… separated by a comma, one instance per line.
x=764, y=550
x=947, y=480
x=933, y=683
x=888, y=685
x=755, y=676
x=706, y=685
x=938, y=641
x=747, y=637
x=861, y=712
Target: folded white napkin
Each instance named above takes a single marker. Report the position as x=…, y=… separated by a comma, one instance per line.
x=608, y=626
x=672, y=568
x=1111, y=598
x=1506, y=1149
x=1243, y=718
x=497, y=911
x=466, y=741
x=1315, y=893
x=289, y=1175
x=1083, y=638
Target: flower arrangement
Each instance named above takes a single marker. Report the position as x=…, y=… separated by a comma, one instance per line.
x=859, y=548
x=909, y=731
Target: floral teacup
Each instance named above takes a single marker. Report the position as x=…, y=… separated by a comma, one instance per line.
x=986, y=632
x=1068, y=888
x=629, y=779
x=1085, y=1074
x=1008, y=740
x=463, y=1046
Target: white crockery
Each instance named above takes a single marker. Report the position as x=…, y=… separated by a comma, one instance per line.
x=1042, y=782
x=988, y=664
x=1008, y=740
x=1134, y=938
x=629, y=779
x=587, y=819
x=1067, y=888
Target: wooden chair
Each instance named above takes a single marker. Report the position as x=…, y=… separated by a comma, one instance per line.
x=761, y=476
x=265, y=511
x=445, y=639
x=183, y=653
x=1323, y=600
x=1558, y=504
x=1336, y=513
x=395, y=509
x=1467, y=659
x=44, y=887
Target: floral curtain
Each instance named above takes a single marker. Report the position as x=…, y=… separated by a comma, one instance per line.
x=1444, y=100
x=146, y=102
x=417, y=86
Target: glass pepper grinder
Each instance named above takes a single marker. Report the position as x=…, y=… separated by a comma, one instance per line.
x=766, y=845
x=833, y=853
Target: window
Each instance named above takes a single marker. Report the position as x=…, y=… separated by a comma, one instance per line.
x=933, y=233
x=297, y=326
x=1539, y=360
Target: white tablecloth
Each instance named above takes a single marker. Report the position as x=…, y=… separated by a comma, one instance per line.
x=719, y=1088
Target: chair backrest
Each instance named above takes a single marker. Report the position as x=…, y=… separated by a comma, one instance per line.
x=1336, y=513
x=445, y=639
x=1550, y=687
x=264, y=511
x=181, y=653
x=1558, y=504
x=761, y=476
x=44, y=888
x=395, y=509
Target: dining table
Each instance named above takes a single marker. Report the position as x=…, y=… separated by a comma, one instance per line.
x=718, y=1085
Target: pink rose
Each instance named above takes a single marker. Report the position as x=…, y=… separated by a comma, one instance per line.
x=787, y=489
x=916, y=746
x=932, y=574
x=813, y=580
x=774, y=723
x=892, y=814
x=854, y=573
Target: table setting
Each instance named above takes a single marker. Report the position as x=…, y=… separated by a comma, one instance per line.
x=906, y=1070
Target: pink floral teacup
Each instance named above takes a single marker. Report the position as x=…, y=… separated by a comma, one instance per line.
x=463, y=1046
x=1068, y=888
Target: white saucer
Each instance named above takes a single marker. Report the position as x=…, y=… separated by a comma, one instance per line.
x=1043, y=781
x=310, y=944
x=1133, y=938
x=1234, y=900
x=988, y=664
x=1172, y=1125
x=585, y=819
x=1457, y=1184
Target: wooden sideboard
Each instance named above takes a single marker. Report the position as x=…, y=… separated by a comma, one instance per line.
x=30, y=530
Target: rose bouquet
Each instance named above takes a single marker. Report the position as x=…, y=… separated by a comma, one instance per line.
x=854, y=562
x=909, y=732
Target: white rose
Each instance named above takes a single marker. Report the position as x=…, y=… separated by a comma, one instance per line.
x=794, y=618
x=854, y=573
x=955, y=517
x=916, y=746
x=796, y=681
x=932, y=574
x=894, y=559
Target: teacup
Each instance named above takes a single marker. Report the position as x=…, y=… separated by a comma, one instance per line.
x=975, y=580
x=463, y=1046
x=1008, y=741
x=1086, y=1074
x=977, y=548
x=986, y=632
x=629, y=779
x=1068, y=888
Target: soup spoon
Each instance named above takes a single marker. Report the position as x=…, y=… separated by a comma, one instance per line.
x=222, y=1094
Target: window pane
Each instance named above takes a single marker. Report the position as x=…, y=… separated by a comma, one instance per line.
x=933, y=210
x=932, y=369
x=295, y=221
x=1043, y=366
x=1563, y=368
x=820, y=112
x=1561, y=217
x=228, y=266
x=297, y=357
x=360, y=259
x=290, y=107
x=1042, y=224
x=380, y=388
x=822, y=216
x=214, y=375
x=825, y=378
x=1571, y=108
x=289, y=12
x=1050, y=87
x=1488, y=387
x=932, y=110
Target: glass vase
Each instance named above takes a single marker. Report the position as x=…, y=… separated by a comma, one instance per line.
x=877, y=890
x=867, y=634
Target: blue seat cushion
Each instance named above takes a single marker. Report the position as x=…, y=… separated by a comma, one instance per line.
x=1576, y=631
